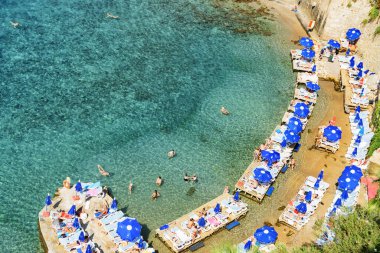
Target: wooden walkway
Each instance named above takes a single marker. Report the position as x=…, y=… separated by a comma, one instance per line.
x=177, y=229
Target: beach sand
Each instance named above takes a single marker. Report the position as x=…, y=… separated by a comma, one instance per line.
x=309, y=162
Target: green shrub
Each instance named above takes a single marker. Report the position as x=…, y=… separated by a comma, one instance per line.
x=373, y=13
x=349, y=5
x=365, y=21
x=377, y=31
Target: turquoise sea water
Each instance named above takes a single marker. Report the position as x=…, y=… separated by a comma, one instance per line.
x=79, y=89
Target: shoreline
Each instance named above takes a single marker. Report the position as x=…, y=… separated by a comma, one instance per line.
x=269, y=208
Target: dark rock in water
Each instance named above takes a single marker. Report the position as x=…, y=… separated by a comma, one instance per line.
x=281, y=208
x=191, y=191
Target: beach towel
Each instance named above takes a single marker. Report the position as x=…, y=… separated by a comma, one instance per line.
x=213, y=221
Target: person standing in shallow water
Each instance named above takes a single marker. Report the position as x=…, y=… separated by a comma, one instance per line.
x=155, y=195
x=159, y=181
x=130, y=187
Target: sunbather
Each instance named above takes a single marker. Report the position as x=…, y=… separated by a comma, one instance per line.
x=155, y=195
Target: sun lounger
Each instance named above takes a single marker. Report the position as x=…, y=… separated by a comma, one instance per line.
x=181, y=235
x=214, y=222
x=302, y=65
x=70, y=239
x=306, y=77
x=296, y=54
x=112, y=217
x=174, y=239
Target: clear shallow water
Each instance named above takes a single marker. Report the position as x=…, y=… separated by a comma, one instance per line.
x=78, y=89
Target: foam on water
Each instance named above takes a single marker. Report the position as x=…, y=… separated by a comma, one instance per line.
x=79, y=89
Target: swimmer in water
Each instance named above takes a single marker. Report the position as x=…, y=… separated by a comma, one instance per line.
x=159, y=181
x=110, y=15
x=130, y=187
x=15, y=24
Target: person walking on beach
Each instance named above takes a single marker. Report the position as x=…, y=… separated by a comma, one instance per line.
x=155, y=195
x=226, y=189
x=159, y=181
x=292, y=163
x=130, y=187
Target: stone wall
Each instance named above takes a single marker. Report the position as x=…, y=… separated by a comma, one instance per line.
x=334, y=17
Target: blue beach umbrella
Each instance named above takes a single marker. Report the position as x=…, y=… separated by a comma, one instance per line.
x=320, y=175
x=307, y=53
x=316, y=185
x=114, y=204
x=333, y=44
x=360, y=123
x=314, y=68
x=338, y=202
x=78, y=187
x=262, y=175
x=332, y=133
x=72, y=210
x=88, y=249
x=217, y=208
x=306, y=42
x=313, y=86
x=48, y=201
x=333, y=211
x=344, y=195
x=355, y=152
x=236, y=196
x=266, y=235
x=248, y=245
x=361, y=131
x=352, y=171
x=291, y=136
x=348, y=51
x=202, y=222
x=347, y=183
x=301, y=110
x=76, y=223
x=81, y=237
x=357, y=109
x=360, y=65
x=301, y=207
x=128, y=229
x=353, y=34
x=295, y=124
x=308, y=196
x=271, y=156
x=366, y=72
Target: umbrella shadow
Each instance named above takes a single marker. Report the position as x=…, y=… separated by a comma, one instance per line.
x=124, y=209
x=145, y=231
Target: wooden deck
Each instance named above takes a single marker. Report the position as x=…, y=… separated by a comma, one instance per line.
x=63, y=200
x=164, y=234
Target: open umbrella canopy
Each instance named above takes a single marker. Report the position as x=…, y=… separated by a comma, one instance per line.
x=76, y=223
x=78, y=187
x=163, y=227
x=262, y=175
x=217, y=208
x=291, y=136
x=352, y=171
x=314, y=68
x=352, y=62
x=72, y=210
x=332, y=133
x=301, y=110
x=307, y=53
x=271, y=156
x=301, y=207
x=338, y=202
x=357, y=109
x=248, y=245
x=312, y=86
x=128, y=229
x=357, y=118
x=306, y=42
x=236, y=196
x=355, y=152
x=344, y=195
x=48, y=201
x=141, y=244
x=81, y=237
x=114, y=204
x=333, y=44
x=88, y=249
x=353, y=34
x=202, y=222
x=360, y=74
x=266, y=235
x=360, y=65
x=346, y=182
x=295, y=124
x=320, y=175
